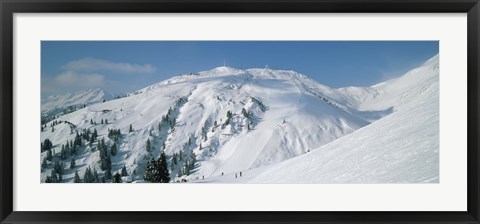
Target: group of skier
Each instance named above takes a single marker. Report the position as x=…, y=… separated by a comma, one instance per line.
x=236, y=175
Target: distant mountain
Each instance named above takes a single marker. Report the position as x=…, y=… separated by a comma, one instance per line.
x=227, y=120
x=54, y=105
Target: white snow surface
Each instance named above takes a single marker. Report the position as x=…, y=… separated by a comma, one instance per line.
x=298, y=131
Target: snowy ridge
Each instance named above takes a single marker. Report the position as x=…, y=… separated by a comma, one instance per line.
x=401, y=147
x=54, y=105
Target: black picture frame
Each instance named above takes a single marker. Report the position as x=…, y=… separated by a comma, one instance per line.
x=9, y=7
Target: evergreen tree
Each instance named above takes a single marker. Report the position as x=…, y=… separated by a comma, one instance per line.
x=74, y=150
x=163, y=168
x=76, y=179
x=193, y=160
x=44, y=163
x=94, y=136
x=63, y=154
x=227, y=121
x=117, y=178
x=102, y=143
x=114, y=134
x=106, y=162
x=103, y=153
x=72, y=163
x=96, y=179
x=186, y=168
x=148, y=147
x=124, y=171
x=130, y=129
x=47, y=144
x=54, y=177
x=244, y=112
x=189, y=164
x=49, y=155
x=113, y=149
x=174, y=159
x=58, y=168
x=172, y=166
x=106, y=121
x=151, y=172
x=102, y=121
x=108, y=174
x=78, y=141
x=88, y=176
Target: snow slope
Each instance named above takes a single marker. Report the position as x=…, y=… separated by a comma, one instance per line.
x=402, y=147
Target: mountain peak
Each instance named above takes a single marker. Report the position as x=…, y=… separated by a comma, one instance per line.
x=224, y=70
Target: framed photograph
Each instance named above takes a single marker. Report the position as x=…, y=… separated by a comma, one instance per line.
x=262, y=112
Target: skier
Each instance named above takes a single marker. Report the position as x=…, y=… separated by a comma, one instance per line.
x=240, y=174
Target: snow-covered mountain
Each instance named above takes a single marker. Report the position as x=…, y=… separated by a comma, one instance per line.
x=215, y=123
x=402, y=147
x=57, y=104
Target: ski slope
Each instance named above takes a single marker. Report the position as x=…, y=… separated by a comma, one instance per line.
x=402, y=147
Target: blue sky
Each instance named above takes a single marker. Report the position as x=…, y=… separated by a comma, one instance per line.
x=123, y=66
